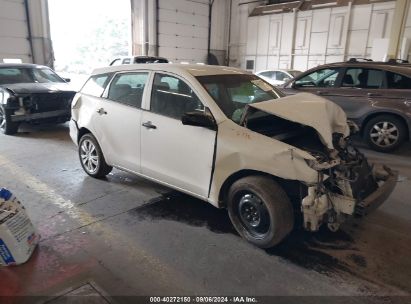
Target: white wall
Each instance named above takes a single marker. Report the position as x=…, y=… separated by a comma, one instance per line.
x=320, y=36
x=407, y=31
x=14, y=31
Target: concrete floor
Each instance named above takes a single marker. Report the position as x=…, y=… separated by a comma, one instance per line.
x=127, y=236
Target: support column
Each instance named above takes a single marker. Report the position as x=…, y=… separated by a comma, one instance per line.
x=39, y=32
x=397, y=28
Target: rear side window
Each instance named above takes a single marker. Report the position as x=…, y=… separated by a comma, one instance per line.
x=172, y=97
x=267, y=74
x=128, y=88
x=363, y=78
x=397, y=81
x=96, y=85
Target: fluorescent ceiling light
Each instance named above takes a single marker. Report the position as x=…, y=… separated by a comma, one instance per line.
x=323, y=4
x=273, y=11
x=9, y=60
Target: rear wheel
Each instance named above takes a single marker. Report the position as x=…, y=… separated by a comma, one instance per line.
x=6, y=125
x=92, y=158
x=260, y=210
x=385, y=133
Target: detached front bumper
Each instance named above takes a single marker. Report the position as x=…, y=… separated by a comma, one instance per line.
x=43, y=115
x=378, y=197
x=73, y=131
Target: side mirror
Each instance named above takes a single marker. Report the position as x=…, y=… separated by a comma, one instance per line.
x=199, y=119
x=67, y=79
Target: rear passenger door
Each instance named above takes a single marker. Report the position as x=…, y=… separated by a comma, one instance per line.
x=176, y=154
x=118, y=119
x=358, y=90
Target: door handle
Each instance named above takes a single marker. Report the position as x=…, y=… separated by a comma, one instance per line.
x=322, y=92
x=101, y=111
x=149, y=125
x=374, y=95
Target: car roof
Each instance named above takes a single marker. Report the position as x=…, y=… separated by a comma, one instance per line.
x=192, y=69
x=22, y=65
x=401, y=68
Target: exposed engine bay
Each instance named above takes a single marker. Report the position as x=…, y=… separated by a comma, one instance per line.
x=347, y=184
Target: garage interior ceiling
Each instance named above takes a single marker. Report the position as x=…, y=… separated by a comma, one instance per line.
x=296, y=34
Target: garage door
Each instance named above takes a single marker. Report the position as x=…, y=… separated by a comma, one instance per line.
x=183, y=30
x=13, y=31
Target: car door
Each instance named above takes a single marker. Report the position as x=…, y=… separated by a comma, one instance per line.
x=173, y=153
x=358, y=90
x=323, y=82
x=118, y=119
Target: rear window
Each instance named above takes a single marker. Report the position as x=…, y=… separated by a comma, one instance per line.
x=96, y=85
x=397, y=81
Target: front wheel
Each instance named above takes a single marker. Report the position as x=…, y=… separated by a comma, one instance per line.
x=260, y=210
x=385, y=133
x=6, y=125
x=91, y=157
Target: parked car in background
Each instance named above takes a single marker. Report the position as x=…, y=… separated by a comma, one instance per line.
x=229, y=138
x=278, y=77
x=375, y=95
x=32, y=93
x=138, y=59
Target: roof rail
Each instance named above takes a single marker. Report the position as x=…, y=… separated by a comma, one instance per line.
x=397, y=61
x=351, y=60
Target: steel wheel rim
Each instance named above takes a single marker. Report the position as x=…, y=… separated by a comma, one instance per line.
x=384, y=134
x=253, y=215
x=89, y=156
x=2, y=119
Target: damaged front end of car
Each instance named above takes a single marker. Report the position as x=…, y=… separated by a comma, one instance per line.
x=347, y=185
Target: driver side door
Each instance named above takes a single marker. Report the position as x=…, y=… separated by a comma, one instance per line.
x=172, y=153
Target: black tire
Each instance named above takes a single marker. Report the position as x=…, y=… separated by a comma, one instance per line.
x=6, y=125
x=91, y=157
x=390, y=130
x=273, y=206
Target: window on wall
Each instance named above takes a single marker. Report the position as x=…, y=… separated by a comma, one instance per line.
x=250, y=64
x=324, y=78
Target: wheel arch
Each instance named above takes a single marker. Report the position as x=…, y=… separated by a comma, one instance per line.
x=393, y=114
x=82, y=132
x=294, y=189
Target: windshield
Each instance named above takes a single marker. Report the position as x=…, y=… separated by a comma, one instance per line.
x=233, y=93
x=28, y=75
x=295, y=73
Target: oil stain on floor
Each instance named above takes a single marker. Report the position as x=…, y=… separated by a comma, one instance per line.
x=308, y=250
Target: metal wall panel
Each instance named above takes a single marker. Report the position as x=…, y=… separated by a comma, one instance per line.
x=308, y=38
x=183, y=30
x=14, y=31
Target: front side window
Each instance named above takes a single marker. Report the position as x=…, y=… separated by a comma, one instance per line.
x=172, y=97
x=324, y=78
x=363, y=78
x=281, y=76
x=96, y=85
x=397, y=81
x=128, y=88
x=232, y=93
x=45, y=76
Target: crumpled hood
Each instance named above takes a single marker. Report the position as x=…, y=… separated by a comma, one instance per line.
x=33, y=88
x=310, y=110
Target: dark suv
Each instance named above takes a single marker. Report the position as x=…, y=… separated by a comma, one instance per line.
x=375, y=95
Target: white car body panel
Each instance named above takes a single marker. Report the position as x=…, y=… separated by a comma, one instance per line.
x=184, y=159
x=176, y=154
